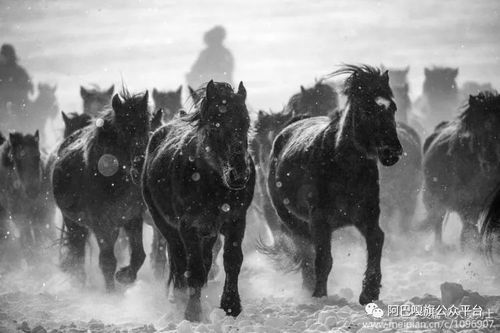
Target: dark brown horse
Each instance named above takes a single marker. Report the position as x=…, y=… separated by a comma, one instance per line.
x=323, y=175
x=95, y=184
x=74, y=121
x=95, y=99
x=21, y=190
x=169, y=102
x=198, y=180
x=461, y=166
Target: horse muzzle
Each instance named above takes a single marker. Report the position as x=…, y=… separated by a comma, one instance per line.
x=389, y=156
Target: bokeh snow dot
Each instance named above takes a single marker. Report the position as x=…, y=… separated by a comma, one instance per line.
x=225, y=207
x=108, y=165
x=195, y=176
x=99, y=122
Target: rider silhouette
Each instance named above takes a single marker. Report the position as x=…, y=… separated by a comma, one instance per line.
x=215, y=62
x=15, y=83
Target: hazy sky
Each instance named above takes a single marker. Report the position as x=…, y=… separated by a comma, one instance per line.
x=277, y=45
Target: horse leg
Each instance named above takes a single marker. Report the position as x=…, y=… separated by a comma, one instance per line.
x=195, y=273
x=74, y=239
x=322, y=239
x=107, y=260
x=215, y=249
x=211, y=248
x=233, y=258
x=128, y=274
x=435, y=217
x=374, y=237
x=469, y=236
x=158, y=254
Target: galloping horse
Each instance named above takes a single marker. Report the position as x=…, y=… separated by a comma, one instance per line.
x=319, y=100
x=95, y=99
x=95, y=184
x=198, y=180
x=323, y=175
x=461, y=166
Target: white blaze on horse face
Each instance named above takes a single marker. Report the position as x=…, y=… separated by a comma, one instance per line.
x=381, y=101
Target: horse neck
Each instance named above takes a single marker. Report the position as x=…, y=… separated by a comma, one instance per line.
x=349, y=134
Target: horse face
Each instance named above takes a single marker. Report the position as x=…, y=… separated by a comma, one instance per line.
x=26, y=160
x=228, y=122
x=74, y=122
x=132, y=118
x=387, y=144
x=95, y=100
x=318, y=100
x=169, y=101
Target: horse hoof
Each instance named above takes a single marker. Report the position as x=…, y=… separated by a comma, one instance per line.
x=125, y=275
x=231, y=305
x=193, y=311
x=368, y=297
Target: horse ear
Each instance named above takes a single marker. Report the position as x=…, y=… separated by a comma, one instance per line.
x=242, y=91
x=211, y=91
x=407, y=70
x=145, y=99
x=193, y=94
x=455, y=72
x=64, y=117
x=116, y=102
x=83, y=92
x=111, y=90
x=303, y=90
x=472, y=100
x=427, y=71
x=179, y=90
x=37, y=136
x=386, y=76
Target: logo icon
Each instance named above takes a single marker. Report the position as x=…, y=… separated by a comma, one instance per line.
x=373, y=310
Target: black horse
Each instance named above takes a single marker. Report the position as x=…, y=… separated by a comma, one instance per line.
x=95, y=183
x=461, y=166
x=74, y=121
x=21, y=183
x=169, y=101
x=198, y=180
x=323, y=175
x=95, y=99
x=319, y=100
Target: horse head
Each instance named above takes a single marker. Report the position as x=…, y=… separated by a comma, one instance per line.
x=169, y=101
x=94, y=100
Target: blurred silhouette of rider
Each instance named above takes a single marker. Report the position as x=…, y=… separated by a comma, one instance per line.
x=215, y=62
x=15, y=83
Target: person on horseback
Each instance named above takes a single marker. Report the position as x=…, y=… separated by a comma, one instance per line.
x=215, y=62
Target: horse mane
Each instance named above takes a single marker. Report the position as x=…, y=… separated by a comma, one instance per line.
x=360, y=77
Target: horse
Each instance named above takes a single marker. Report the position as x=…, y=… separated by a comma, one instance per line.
x=323, y=175
x=169, y=101
x=74, y=121
x=401, y=183
x=319, y=100
x=461, y=166
x=490, y=222
x=95, y=181
x=21, y=190
x=198, y=181
x=440, y=98
x=398, y=80
x=95, y=99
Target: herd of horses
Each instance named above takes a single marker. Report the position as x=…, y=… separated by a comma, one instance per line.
x=314, y=168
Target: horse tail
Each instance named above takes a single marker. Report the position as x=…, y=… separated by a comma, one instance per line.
x=282, y=253
x=490, y=221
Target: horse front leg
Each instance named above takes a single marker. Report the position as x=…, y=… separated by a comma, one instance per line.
x=106, y=238
x=233, y=232
x=196, y=273
x=213, y=268
x=158, y=254
x=128, y=274
x=374, y=237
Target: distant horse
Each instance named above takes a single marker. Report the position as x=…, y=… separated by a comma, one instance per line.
x=323, y=175
x=21, y=176
x=45, y=106
x=401, y=183
x=74, y=121
x=95, y=184
x=169, y=101
x=440, y=98
x=461, y=166
x=319, y=100
x=398, y=80
x=198, y=180
x=95, y=99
